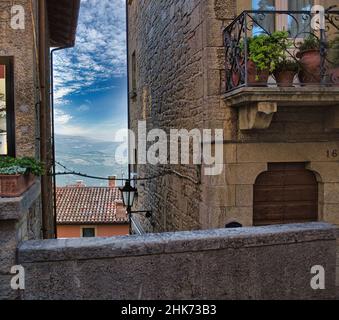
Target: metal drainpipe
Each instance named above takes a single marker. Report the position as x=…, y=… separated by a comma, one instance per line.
x=43, y=113
x=129, y=114
x=53, y=136
x=128, y=85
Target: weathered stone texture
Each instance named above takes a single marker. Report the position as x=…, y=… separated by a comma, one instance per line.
x=20, y=45
x=20, y=220
x=179, y=58
x=180, y=83
x=255, y=263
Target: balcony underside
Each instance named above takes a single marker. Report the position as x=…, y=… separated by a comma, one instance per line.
x=303, y=96
x=257, y=105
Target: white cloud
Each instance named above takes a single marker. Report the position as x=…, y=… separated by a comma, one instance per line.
x=61, y=118
x=100, y=51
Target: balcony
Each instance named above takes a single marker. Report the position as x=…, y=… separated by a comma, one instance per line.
x=282, y=58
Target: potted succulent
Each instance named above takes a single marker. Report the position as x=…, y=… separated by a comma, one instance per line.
x=264, y=52
x=334, y=61
x=285, y=72
x=310, y=60
x=18, y=175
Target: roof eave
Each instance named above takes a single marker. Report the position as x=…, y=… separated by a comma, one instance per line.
x=63, y=16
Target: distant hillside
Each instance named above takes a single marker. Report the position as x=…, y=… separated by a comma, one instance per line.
x=89, y=156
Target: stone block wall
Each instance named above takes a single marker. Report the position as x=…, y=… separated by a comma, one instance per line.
x=179, y=83
x=22, y=45
x=254, y=263
x=19, y=221
x=178, y=50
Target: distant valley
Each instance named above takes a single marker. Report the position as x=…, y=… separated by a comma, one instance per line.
x=89, y=156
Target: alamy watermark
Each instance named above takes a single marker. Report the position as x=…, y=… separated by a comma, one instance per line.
x=318, y=279
x=18, y=281
x=156, y=147
x=16, y=14
x=17, y=17
x=318, y=21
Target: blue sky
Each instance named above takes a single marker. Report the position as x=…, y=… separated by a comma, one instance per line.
x=90, y=79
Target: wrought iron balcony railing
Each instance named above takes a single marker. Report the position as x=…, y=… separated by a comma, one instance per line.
x=309, y=55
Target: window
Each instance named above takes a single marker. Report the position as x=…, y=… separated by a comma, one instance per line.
x=291, y=5
x=7, y=147
x=88, y=232
x=297, y=25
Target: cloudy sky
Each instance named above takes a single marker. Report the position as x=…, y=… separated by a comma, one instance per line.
x=90, y=79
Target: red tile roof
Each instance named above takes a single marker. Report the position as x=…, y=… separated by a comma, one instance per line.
x=86, y=205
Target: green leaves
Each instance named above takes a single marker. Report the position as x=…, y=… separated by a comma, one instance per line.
x=10, y=166
x=310, y=43
x=266, y=51
x=288, y=65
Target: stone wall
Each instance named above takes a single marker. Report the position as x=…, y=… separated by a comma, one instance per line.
x=178, y=51
x=23, y=46
x=19, y=221
x=254, y=263
x=20, y=44
x=179, y=83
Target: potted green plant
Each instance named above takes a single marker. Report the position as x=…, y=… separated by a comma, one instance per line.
x=264, y=52
x=285, y=72
x=17, y=175
x=333, y=59
x=310, y=60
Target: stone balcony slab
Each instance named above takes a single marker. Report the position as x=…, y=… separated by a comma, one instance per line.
x=289, y=96
x=257, y=105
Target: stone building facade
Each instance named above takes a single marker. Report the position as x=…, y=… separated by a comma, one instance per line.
x=19, y=44
x=177, y=81
x=28, y=31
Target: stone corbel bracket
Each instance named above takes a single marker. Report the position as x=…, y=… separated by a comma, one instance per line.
x=258, y=115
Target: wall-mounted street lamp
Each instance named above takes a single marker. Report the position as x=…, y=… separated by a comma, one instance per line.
x=128, y=196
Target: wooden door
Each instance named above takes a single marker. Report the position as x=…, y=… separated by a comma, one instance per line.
x=286, y=193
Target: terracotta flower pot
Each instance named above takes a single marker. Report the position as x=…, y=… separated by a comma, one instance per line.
x=310, y=62
x=12, y=186
x=285, y=78
x=256, y=78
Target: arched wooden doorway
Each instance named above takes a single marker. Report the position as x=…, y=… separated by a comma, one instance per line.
x=286, y=193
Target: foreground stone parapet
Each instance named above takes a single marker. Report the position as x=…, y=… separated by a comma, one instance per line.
x=249, y=263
